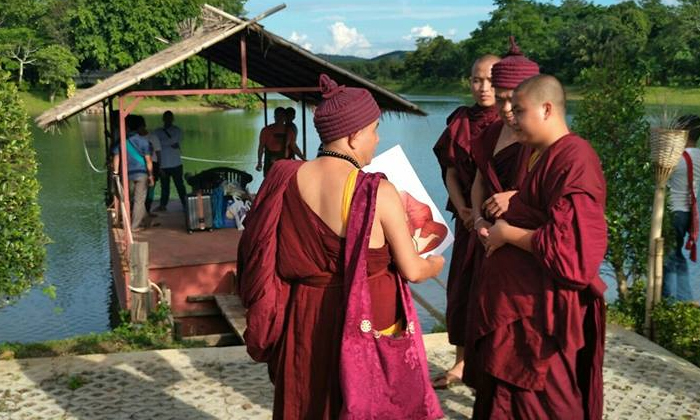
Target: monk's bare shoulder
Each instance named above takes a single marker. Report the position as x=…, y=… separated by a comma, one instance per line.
x=388, y=200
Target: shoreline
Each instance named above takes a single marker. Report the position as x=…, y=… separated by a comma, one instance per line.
x=672, y=97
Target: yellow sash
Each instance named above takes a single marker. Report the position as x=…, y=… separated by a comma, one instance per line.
x=347, y=196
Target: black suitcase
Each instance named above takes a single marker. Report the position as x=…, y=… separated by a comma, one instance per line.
x=198, y=214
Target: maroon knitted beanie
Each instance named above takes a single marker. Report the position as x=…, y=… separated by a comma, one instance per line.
x=513, y=69
x=343, y=110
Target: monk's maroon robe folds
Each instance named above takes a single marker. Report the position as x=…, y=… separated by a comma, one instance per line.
x=291, y=279
x=453, y=150
x=537, y=326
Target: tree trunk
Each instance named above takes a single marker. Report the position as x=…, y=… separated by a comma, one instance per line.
x=621, y=283
x=21, y=72
x=52, y=95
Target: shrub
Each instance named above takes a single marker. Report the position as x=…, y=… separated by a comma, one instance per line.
x=677, y=328
x=676, y=324
x=22, y=239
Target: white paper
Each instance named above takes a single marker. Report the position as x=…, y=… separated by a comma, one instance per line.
x=395, y=165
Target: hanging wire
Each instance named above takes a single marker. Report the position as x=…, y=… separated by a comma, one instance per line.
x=87, y=156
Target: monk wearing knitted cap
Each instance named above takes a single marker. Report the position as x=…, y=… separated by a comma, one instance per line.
x=539, y=311
x=453, y=151
x=322, y=265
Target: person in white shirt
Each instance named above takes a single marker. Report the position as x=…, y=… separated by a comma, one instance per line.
x=170, y=137
x=676, y=283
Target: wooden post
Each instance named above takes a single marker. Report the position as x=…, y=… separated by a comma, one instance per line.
x=141, y=298
x=303, y=122
x=659, y=270
x=655, y=233
x=265, y=107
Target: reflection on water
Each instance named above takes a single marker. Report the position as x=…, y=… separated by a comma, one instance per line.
x=73, y=211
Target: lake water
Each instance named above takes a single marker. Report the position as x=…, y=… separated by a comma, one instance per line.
x=72, y=199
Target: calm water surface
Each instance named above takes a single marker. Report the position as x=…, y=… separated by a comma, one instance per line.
x=74, y=216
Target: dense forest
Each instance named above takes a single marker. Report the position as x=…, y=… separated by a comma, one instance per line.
x=43, y=43
x=661, y=40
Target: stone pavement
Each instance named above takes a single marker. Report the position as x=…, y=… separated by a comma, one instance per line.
x=642, y=381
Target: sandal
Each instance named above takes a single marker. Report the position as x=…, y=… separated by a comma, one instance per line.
x=445, y=380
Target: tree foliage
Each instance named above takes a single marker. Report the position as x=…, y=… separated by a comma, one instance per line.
x=659, y=37
x=56, y=66
x=22, y=239
x=612, y=117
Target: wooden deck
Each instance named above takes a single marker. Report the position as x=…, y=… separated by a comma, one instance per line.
x=190, y=265
x=171, y=246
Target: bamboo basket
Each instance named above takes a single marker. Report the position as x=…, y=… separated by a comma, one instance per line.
x=666, y=149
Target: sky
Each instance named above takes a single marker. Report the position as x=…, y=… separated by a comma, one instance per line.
x=368, y=28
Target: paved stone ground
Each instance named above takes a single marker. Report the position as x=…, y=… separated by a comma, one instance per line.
x=642, y=381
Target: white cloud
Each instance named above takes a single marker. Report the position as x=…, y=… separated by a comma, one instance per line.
x=451, y=33
x=421, y=32
x=347, y=40
x=300, y=39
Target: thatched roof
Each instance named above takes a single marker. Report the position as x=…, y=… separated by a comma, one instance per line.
x=272, y=61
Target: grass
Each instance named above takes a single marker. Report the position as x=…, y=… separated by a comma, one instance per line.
x=37, y=102
x=108, y=342
x=155, y=334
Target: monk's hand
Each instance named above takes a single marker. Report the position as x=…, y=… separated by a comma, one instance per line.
x=496, y=236
x=497, y=204
x=482, y=227
x=258, y=167
x=465, y=215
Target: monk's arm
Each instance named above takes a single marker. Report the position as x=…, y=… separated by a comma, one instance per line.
x=454, y=190
x=392, y=217
x=477, y=195
x=572, y=244
x=261, y=149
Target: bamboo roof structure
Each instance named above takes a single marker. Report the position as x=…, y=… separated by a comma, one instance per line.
x=271, y=61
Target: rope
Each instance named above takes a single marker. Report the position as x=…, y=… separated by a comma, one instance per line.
x=428, y=307
x=238, y=162
x=440, y=282
x=87, y=156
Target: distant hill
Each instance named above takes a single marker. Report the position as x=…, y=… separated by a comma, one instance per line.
x=341, y=59
x=394, y=55
x=345, y=59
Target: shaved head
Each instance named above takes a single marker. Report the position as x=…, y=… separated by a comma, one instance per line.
x=488, y=60
x=544, y=88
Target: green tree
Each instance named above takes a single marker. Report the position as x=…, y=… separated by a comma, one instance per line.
x=115, y=34
x=612, y=117
x=435, y=59
x=56, y=66
x=22, y=240
x=18, y=47
x=534, y=26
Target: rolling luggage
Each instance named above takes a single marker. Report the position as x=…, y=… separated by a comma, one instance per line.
x=198, y=214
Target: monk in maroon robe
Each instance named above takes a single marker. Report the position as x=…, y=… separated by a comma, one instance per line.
x=499, y=157
x=297, y=278
x=453, y=153
x=540, y=313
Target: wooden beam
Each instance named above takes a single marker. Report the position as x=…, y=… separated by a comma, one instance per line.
x=197, y=313
x=234, y=312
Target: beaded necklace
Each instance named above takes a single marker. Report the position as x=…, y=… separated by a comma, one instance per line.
x=331, y=153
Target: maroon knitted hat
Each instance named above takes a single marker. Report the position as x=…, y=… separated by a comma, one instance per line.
x=513, y=69
x=343, y=110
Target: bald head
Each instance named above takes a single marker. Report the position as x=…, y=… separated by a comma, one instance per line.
x=487, y=60
x=543, y=88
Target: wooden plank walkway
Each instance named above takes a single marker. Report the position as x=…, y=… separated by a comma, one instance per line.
x=234, y=312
